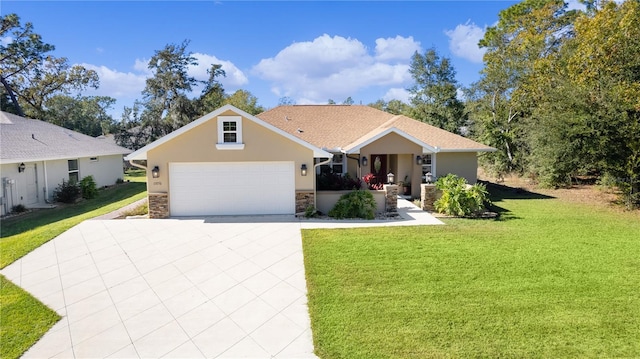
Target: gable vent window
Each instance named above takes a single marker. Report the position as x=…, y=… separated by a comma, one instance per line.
x=93, y=159
x=73, y=170
x=230, y=133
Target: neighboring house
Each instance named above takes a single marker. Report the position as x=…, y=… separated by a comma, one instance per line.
x=229, y=162
x=36, y=156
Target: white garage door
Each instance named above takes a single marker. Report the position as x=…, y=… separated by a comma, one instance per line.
x=233, y=188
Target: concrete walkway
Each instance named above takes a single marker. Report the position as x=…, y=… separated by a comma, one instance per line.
x=217, y=287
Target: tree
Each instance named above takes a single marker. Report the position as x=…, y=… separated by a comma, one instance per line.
x=434, y=95
x=286, y=101
x=606, y=68
x=86, y=115
x=348, y=101
x=165, y=96
x=245, y=101
x=395, y=107
x=29, y=76
x=213, y=95
x=526, y=37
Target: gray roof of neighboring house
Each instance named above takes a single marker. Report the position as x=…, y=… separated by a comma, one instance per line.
x=23, y=139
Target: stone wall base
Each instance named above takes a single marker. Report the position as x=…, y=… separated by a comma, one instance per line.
x=429, y=195
x=158, y=205
x=391, y=198
x=304, y=199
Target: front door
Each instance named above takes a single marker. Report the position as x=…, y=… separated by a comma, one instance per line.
x=31, y=174
x=379, y=168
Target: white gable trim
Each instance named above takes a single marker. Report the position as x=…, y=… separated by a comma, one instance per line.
x=141, y=154
x=356, y=148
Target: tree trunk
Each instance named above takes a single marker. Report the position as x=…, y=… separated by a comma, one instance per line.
x=9, y=90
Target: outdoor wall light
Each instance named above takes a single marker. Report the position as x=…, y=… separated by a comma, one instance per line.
x=418, y=160
x=21, y=167
x=391, y=177
x=303, y=170
x=364, y=160
x=155, y=172
x=428, y=177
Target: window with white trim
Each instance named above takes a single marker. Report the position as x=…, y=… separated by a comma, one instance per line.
x=74, y=173
x=427, y=168
x=229, y=133
x=337, y=165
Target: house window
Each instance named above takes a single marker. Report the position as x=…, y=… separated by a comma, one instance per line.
x=229, y=133
x=336, y=164
x=427, y=167
x=73, y=170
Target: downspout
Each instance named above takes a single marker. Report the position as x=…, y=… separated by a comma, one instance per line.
x=315, y=189
x=137, y=165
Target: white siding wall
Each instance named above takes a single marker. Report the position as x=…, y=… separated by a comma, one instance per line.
x=105, y=171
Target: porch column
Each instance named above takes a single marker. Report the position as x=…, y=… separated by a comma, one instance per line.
x=434, y=173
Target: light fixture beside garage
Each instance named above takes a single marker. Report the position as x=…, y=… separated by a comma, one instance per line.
x=303, y=169
x=21, y=167
x=155, y=172
x=418, y=160
x=364, y=161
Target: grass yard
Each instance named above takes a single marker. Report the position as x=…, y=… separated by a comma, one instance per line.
x=24, y=319
x=548, y=279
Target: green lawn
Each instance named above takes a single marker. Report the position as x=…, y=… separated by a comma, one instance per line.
x=23, y=319
x=549, y=279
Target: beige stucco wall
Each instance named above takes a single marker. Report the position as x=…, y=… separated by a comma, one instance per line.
x=326, y=200
x=199, y=145
x=463, y=164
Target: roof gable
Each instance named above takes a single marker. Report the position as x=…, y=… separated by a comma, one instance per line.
x=141, y=154
x=25, y=139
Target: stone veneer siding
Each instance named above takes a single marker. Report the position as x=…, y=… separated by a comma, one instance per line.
x=304, y=199
x=391, y=198
x=158, y=205
x=428, y=195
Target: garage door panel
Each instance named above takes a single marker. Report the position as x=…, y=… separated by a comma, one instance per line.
x=242, y=188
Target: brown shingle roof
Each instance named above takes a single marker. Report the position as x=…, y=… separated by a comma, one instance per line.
x=334, y=127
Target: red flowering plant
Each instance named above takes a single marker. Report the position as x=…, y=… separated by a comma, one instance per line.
x=372, y=182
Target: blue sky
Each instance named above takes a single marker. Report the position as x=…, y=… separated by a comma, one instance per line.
x=309, y=51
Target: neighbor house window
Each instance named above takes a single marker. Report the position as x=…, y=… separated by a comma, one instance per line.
x=229, y=133
x=73, y=170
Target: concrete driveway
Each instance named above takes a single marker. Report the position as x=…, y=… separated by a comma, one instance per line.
x=175, y=288
x=219, y=287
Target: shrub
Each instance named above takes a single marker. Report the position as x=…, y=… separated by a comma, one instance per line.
x=356, y=204
x=88, y=187
x=310, y=212
x=119, y=181
x=18, y=208
x=66, y=192
x=337, y=182
x=457, y=199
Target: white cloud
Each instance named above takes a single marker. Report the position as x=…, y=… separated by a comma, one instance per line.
x=396, y=48
x=336, y=67
x=118, y=84
x=234, y=78
x=463, y=41
x=6, y=40
x=396, y=93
